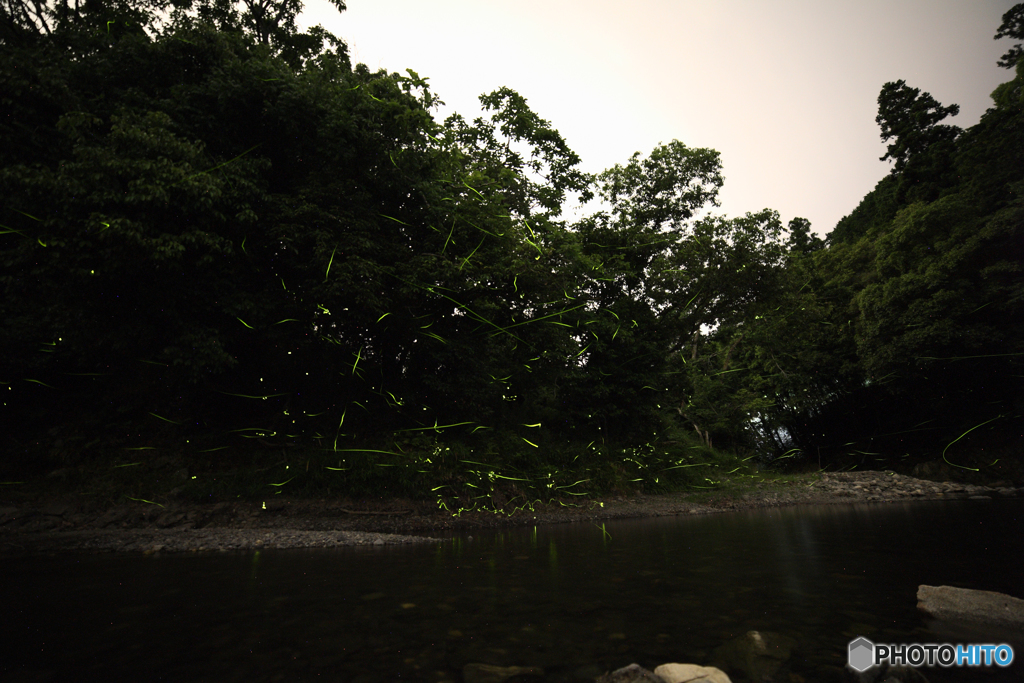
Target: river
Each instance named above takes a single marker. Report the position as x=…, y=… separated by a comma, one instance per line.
x=575, y=600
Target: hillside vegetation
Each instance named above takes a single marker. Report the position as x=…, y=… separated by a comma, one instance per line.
x=224, y=245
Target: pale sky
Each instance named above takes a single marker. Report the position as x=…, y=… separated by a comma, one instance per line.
x=786, y=90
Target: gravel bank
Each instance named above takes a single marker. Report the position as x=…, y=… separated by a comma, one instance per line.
x=50, y=525
x=198, y=540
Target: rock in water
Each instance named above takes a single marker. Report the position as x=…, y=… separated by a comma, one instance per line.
x=963, y=604
x=757, y=654
x=487, y=673
x=634, y=673
x=889, y=674
x=691, y=673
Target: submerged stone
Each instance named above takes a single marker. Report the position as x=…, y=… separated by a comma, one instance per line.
x=488, y=673
x=691, y=673
x=634, y=673
x=757, y=654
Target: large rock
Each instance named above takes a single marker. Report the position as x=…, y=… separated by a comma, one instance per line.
x=634, y=673
x=757, y=654
x=691, y=673
x=963, y=604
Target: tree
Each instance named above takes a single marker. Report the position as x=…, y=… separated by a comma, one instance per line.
x=196, y=223
x=911, y=120
x=117, y=236
x=801, y=239
x=22, y=19
x=624, y=338
x=921, y=147
x=85, y=26
x=1012, y=26
x=269, y=22
x=145, y=247
x=716, y=289
x=924, y=281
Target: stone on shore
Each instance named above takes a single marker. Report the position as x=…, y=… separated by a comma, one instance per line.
x=691, y=673
x=963, y=604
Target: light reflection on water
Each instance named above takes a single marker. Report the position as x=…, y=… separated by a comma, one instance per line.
x=574, y=599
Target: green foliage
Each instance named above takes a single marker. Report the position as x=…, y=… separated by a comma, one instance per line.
x=1012, y=26
x=801, y=239
x=921, y=148
x=217, y=232
x=911, y=120
x=875, y=210
x=926, y=275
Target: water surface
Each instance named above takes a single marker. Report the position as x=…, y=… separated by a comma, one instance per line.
x=574, y=599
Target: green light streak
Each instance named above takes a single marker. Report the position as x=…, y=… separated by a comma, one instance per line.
x=449, y=237
x=367, y=450
x=545, y=317
x=264, y=398
x=987, y=355
x=224, y=164
x=337, y=432
x=7, y=230
x=478, y=194
x=435, y=428
x=438, y=338
x=143, y=500
x=973, y=469
x=327, y=274
x=466, y=260
x=40, y=220
x=392, y=217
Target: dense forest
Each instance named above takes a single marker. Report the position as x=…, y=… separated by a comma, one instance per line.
x=219, y=237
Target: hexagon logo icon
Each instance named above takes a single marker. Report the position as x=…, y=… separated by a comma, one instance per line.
x=862, y=654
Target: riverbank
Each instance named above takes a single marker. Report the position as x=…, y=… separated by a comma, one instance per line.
x=53, y=524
